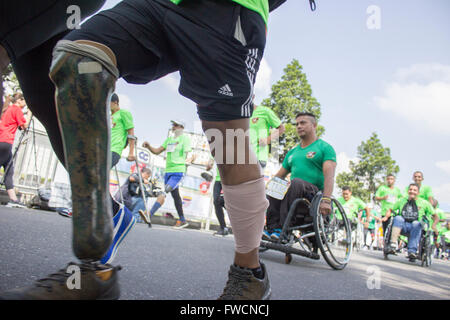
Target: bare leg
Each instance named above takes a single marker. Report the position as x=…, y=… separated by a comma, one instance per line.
x=234, y=173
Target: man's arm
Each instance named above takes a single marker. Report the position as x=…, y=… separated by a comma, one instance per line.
x=131, y=144
x=282, y=173
x=152, y=149
x=274, y=134
x=328, y=168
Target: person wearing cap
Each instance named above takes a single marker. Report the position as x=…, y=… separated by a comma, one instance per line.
x=177, y=147
x=122, y=127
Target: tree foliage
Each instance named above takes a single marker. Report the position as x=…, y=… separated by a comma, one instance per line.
x=291, y=95
x=369, y=172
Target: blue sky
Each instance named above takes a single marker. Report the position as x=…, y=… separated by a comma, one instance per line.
x=393, y=80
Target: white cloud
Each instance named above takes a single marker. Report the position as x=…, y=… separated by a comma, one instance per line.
x=421, y=95
x=263, y=80
x=343, y=163
x=171, y=81
x=444, y=166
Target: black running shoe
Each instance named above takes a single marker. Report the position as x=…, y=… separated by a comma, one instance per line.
x=93, y=282
x=243, y=285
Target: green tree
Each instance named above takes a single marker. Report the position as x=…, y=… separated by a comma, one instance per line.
x=369, y=172
x=9, y=83
x=290, y=95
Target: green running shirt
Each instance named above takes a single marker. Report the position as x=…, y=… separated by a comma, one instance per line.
x=307, y=163
x=121, y=122
x=262, y=120
x=177, y=150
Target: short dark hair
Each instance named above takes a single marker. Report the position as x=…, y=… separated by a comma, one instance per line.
x=17, y=96
x=421, y=173
x=414, y=184
x=146, y=170
x=115, y=98
x=309, y=114
x=390, y=175
x=344, y=188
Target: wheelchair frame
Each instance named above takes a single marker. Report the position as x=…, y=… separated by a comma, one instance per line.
x=425, y=248
x=324, y=232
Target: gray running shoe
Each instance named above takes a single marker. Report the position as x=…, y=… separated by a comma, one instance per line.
x=243, y=285
x=95, y=282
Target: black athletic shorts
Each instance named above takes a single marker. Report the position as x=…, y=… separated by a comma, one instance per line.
x=26, y=24
x=216, y=46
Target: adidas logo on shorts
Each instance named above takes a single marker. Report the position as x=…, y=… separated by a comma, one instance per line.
x=225, y=90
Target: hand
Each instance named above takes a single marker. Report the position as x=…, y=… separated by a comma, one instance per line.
x=146, y=145
x=325, y=207
x=383, y=219
x=131, y=158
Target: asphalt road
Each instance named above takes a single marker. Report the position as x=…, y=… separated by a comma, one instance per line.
x=166, y=264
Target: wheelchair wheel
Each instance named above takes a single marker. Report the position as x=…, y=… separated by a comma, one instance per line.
x=333, y=234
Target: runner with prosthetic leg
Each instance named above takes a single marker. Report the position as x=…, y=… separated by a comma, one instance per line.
x=84, y=71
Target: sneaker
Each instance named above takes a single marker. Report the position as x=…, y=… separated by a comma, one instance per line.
x=275, y=235
x=266, y=235
x=221, y=232
x=144, y=215
x=412, y=256
x=243, y=285
x=15, y=204
x=65, y=213
x=180, y=224
x=96, y=282
x=123, y=222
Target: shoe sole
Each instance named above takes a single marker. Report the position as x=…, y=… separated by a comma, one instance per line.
x=144, y=217
x=181, y=227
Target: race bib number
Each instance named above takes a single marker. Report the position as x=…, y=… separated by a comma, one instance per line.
x=277, y=188
x=171, y=147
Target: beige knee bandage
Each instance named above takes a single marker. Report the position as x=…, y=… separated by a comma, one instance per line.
x=246, y=205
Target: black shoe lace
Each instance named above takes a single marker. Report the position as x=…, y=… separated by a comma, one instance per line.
x=235, y=285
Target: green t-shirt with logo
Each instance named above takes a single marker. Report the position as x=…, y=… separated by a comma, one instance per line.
x=261, y=122
x=177, y=149
x=393, y=194
x=121, y=122
x=423, y=206
x=352, y=206
x=307, y=163
x=425, y=192
x=441, y=215
x=260, y=6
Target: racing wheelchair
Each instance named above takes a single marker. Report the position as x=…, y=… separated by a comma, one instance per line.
x=426, y=243
x=306, y=230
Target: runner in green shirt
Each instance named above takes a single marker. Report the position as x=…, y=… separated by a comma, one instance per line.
x=177, y=148
x=387, y=195
x=121, y=127
x=354, y=206
x=265, y=126
x=425, y=191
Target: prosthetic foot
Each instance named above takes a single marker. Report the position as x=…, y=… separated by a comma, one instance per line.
x=84, y=76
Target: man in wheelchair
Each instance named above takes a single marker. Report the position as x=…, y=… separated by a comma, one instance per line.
x=312, y=165
x=411, y=215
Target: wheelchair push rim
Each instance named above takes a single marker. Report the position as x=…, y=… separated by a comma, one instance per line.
x=333, y=235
